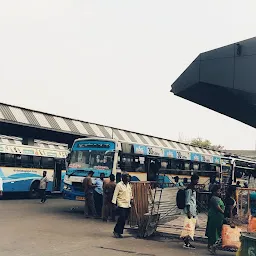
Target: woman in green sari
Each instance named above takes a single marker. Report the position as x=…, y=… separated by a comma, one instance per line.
x=215, y=219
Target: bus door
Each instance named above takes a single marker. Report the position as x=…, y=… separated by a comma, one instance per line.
x=152, y=167
x=57, y=174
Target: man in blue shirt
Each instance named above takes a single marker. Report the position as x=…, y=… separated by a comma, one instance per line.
x=98, y=194
x=190, y=206
x=178, y=183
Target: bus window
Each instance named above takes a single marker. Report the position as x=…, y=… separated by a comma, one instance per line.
x=164, y=164
x=176, y=164
x=216, y=170
x=172, y=166
x=182, y=168
x=118, y=166
x=195, y=166
x=187, y=166
x=239, y=172
x=37, y=161
x=132, y=163
x=1, y=159
x=122, y=163
x=63, y=164
x=138, y=165
x=74, y=156
x=126, y=163
x=26, y=161
x=208, y=170
x=205, y=167
x=47, y=163
x=18, y=160
x=9, y=160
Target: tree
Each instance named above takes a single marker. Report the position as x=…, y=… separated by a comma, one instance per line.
x=199, y=142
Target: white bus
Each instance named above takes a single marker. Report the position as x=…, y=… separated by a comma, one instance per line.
x=238, y=169
x=21, y=166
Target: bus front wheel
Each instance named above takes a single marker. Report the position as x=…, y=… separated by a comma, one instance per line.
x=34, y=190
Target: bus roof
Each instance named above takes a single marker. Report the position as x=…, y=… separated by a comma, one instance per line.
x=239, y=158
x=145, y=149
x=13, y=145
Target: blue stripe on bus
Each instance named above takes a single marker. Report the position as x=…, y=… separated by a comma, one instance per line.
x=134, y=178
x=22, y=181
x=22, y=185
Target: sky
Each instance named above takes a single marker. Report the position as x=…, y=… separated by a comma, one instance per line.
x=113, y=62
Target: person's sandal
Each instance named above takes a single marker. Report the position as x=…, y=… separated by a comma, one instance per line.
x=212, y=250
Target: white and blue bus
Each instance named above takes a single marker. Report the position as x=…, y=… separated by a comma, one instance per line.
x=21, y=166
x=94, y=154
x=142, y=162
x=238, y=169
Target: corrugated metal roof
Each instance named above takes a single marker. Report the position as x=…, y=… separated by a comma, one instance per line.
x=164, y=142
x=30, y=117
x=41, y=120
x=7, y=113
x=104, y=131
x=131, y=137
x=52, y=122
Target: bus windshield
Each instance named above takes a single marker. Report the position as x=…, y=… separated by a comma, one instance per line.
x=226, y=168
x=226, y=173
x=91, y=160
x=91, y=155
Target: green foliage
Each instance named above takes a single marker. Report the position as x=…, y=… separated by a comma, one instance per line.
x=199, y=142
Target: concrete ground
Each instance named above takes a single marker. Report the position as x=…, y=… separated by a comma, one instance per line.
x=53, y=229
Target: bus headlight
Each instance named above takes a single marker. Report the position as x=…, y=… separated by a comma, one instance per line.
x=67, y=187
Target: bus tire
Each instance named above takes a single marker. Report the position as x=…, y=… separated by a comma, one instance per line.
x=34, y=190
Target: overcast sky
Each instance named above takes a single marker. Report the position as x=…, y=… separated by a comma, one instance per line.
x=113, y=62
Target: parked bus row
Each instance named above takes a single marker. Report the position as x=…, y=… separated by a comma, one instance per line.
x=21, y=166
x=145, y=163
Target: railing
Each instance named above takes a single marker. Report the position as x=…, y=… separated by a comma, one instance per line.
x=144, y=201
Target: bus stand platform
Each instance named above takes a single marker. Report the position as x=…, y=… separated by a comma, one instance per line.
x=155, y=213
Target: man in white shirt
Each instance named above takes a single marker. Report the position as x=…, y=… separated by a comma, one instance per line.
x=43, y=187
x=1, y=186
x=123, y=199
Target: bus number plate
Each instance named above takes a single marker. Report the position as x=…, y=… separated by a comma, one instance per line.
x=80, y=198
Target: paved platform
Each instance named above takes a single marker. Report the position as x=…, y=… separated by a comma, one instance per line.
x=29, y=228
